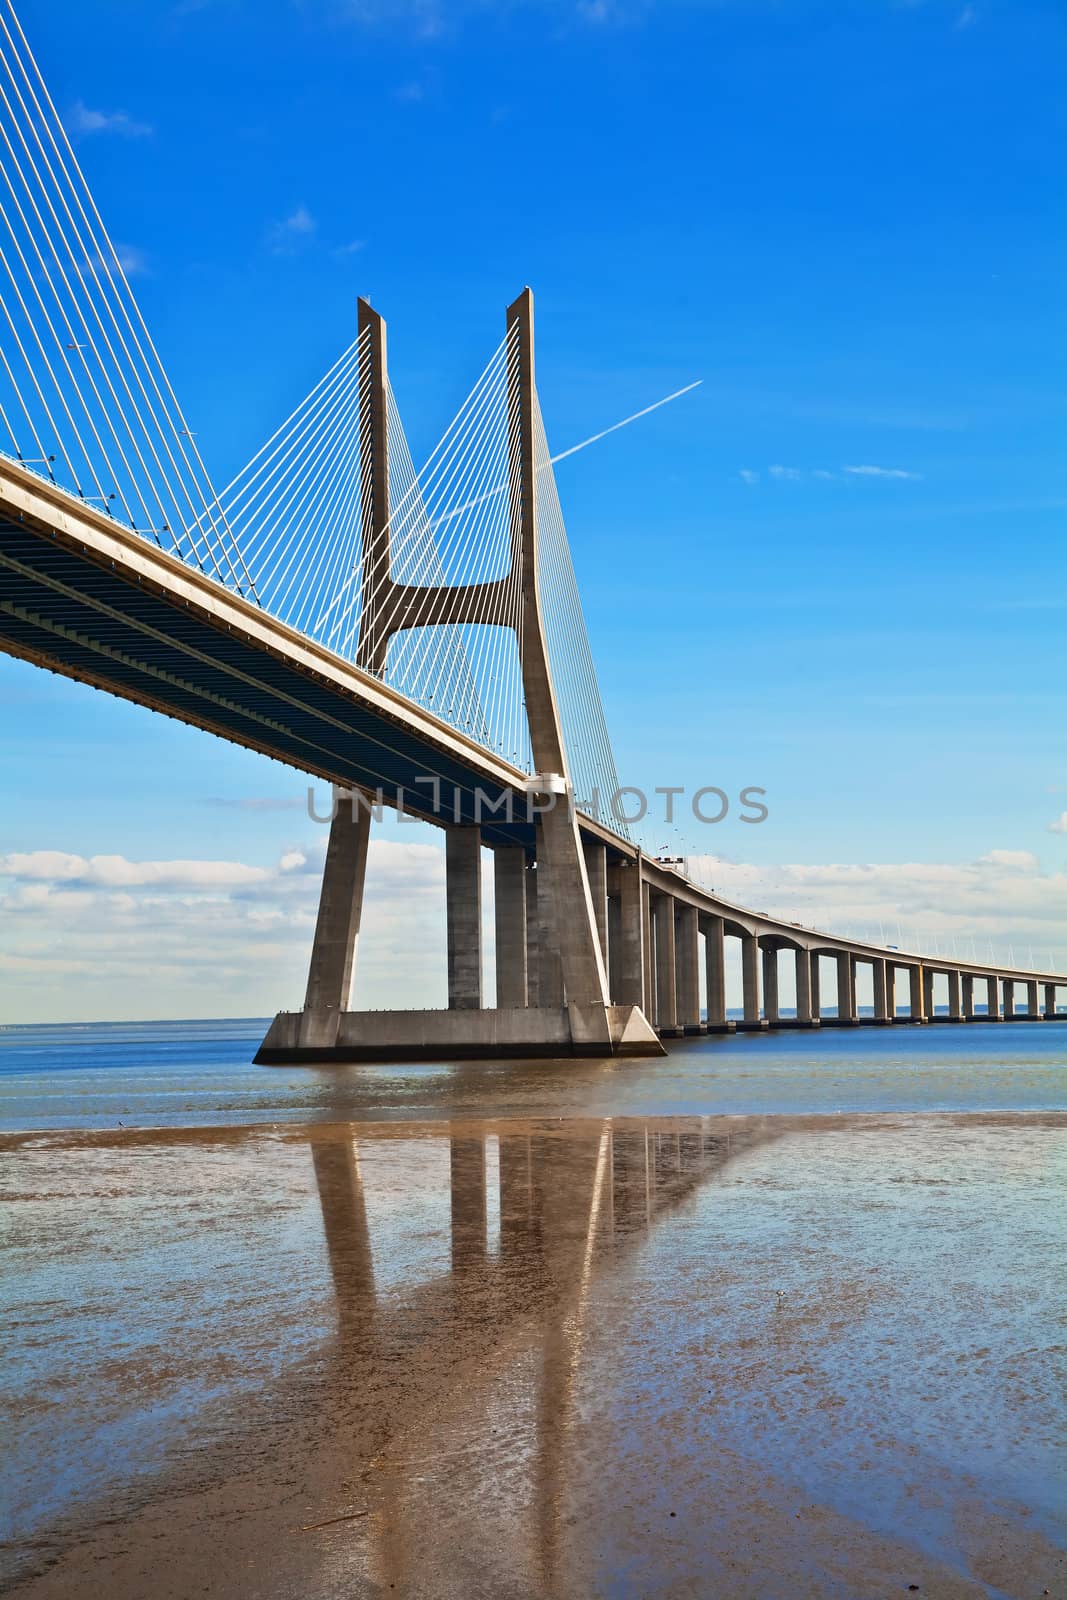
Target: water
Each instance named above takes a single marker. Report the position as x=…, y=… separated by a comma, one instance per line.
x=202, y=1074
x=770, y=1316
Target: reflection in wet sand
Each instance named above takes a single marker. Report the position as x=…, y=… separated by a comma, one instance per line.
x=541, y=1359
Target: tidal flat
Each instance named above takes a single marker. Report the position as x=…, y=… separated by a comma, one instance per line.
x=773, y=1355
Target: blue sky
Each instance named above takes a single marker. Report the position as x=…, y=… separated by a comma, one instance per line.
x=846, y=219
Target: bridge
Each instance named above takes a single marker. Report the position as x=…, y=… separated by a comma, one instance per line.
x=413, y=638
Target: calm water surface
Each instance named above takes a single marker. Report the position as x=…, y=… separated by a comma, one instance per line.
x=177, y=1074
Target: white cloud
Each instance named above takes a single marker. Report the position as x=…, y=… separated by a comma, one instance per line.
x=1060, y=824
x=1021, y=860
x=259, y=803
x=207, y=938
x=296, y=229
x=352, y=248
x=967, y=17
x=133, y=261
x=784, y=474
x=880, y=472
x=1003, y=899
x=82, y=120
x=428, y=19
x=54, y=866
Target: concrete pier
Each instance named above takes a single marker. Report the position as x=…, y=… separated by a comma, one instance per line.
x=955, y=1008
x=994, y=1011
x=463, y=881
x=340, y=909
x=715, y=971
x=509, y=887
x=666, y=969
x=846, y=988
x=750, y=963
x=687, y=953
x=463, y=1035
x=770, y=987
x=596, y=870
x=803, y=965
x=879, y=972
x=631, y=961
x=916, y=994
x=533, y=937
x=551, y=986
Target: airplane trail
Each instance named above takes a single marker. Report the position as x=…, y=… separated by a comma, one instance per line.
x=615, y=426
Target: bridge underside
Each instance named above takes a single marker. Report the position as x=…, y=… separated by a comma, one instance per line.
x=62, y=608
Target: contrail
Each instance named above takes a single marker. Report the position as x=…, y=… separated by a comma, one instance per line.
x=615, y=426
x=502, y=488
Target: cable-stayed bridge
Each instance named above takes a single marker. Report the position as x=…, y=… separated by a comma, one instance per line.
x=414, y=637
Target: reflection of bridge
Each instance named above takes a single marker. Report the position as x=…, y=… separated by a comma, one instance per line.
x=561, y=1203
x=412, y=637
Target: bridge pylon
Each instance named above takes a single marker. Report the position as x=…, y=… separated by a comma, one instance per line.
x=574, y=1015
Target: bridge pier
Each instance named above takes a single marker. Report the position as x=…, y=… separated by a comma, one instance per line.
x=847, y=1015
x=509, y=890
x=463, y=887
x=630, y=959
x=916, y=994
x=750, y=965
x=666, y=967
x=337, y=925
x=715, y=974
x=687, y=950
x=955, y=1011
x=994, y=1013
x=879, y=971
x=804, y=961
x=551, y=989
x=596, y=870
x=1050, y=1002
x=770, y=987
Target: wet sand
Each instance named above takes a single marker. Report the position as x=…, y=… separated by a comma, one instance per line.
x=774, y=1356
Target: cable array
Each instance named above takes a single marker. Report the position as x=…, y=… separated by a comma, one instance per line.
x=84, y=399
x=585, y=732
x=448, y=530
x=297, y=507
x=453, y=530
